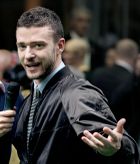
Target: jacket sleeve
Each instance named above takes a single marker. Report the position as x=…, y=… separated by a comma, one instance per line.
x=87, y=108
x=128, y=153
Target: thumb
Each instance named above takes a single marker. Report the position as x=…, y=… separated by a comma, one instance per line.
x=120, y=125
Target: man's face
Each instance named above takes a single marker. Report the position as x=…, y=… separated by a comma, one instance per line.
x=81, y=24
x=38, y=52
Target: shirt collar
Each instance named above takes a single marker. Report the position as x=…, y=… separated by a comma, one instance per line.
x=73, y=35
x=125, y=65
x=42, y=85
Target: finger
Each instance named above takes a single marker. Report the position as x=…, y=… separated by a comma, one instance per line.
x=110, y=132
x=6, y=119
x=120, y=125
x=5, y=126
x=8, y=113
x=101, y=138
x=92, y=138
x=89, y=142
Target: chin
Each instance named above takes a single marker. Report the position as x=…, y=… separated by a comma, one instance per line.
x=33, y=77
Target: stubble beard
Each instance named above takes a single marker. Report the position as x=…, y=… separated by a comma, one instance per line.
x=48, y=69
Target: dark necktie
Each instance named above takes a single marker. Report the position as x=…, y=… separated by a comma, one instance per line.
x=35, y=99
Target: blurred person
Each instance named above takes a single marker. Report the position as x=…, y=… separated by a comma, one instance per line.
x=13, y=71
x=110, y=57
x=72, y=121
x=5, y=142
x=80, y=22
x=18, y=74
x=111, y=78
x=5, y=61
x=15, y=59
x=74, y=55
x=134, y=94
x=117, y=80
x=137, y=66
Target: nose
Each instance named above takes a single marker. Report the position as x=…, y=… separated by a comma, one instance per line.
x=29, y=53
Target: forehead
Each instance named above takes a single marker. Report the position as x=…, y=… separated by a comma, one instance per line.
x=31, y=34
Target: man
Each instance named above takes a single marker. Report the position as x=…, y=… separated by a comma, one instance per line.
x=5, y=62
x=79, y=25
x=110, y=57
x=117, y=82
x=5, y=142
x=72, y=121
x=110, y=79
x=74, y=55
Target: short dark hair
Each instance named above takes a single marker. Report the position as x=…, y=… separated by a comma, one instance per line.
x=39, y=17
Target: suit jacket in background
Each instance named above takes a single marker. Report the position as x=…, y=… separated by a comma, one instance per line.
x=116, y=83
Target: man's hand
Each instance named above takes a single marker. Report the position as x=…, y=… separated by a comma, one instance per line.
x=6, y=121
x=106, y=146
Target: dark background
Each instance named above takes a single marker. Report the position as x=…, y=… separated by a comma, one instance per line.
x=120, y=17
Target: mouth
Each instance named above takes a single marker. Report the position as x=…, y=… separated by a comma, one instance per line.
x=32, y=66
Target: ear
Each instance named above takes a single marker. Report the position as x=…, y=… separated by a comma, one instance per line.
x=61, y=45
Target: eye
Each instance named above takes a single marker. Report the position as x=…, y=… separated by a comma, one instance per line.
x=38, y=46
x=21, y=46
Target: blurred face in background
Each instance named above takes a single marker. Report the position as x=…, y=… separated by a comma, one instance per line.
x=75, y=52
x=5, y=61
x=110, y=57
x=81, y=23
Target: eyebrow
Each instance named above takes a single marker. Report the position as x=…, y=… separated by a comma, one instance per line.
x=30, y=43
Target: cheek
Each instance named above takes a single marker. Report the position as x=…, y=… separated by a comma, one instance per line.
x=47, y=56
x=20, y=55
x=21, y=59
